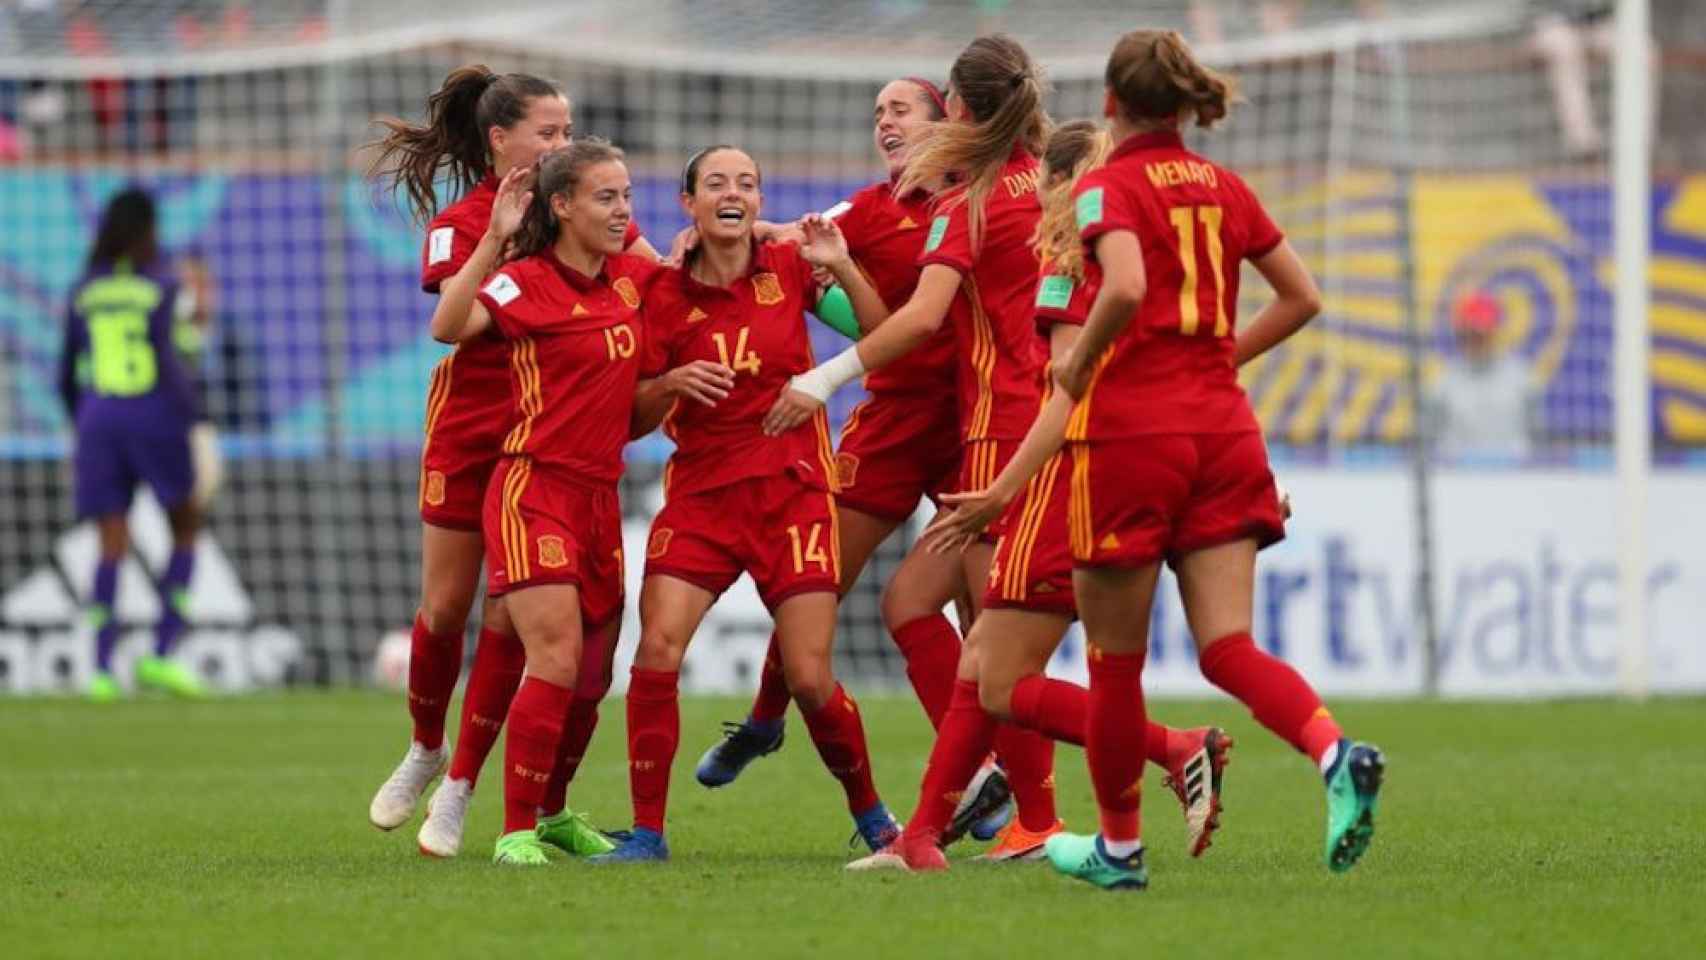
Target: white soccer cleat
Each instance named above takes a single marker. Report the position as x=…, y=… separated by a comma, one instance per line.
x=395, y=802
x=441, y=831
x=884, y=859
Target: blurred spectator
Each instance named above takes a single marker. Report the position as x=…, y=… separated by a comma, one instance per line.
x=1484, y=404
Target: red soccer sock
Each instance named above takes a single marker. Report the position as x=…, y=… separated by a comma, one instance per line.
x=771, y=704
x=1278, y=696
x=840, y=738
x=1115, y=741
x=435, y=661
x=578, y=728
x=1054, y=708
x=1028, y=758
x=535, y=734
x=962, y=743
x=499, y=660
x=654, y=732
x=1155, y=742
x=931, y=647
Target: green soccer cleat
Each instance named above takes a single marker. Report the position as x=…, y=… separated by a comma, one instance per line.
x=104, y=689
x=1084, y=857
x=573, y=834
x=521, y=848
x=169, y=676
x=1353, y=786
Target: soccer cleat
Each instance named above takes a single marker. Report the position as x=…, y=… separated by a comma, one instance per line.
x=877, y=827
x=906, y=855
x=1086, y=859
x=1014, y=843
x=169, y=676
x=104, y=689
x=1195, y=762
x=441, y=831
x=520, y=848
x=641, y=846
x=984, y=797
x=395, y=802
x=1353, y=786
x=571, y=833
x=742, y=743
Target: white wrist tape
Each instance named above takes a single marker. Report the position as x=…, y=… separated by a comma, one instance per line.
x=827, y=377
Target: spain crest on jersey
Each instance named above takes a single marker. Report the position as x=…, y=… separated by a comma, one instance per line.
x=767, y=288
x=625, y=289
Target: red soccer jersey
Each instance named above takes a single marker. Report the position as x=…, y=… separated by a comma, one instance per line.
x=885, y=235
x=479, y=369
x=574, y=346
x=1171, y=370
x=991, y=315
x=757, y=328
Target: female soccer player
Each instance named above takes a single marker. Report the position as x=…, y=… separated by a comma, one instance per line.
x=898, y=446
x=739, y=500
x=1168, y=460
x=1029, y=603
x=980, y=270
x=130, y=399
x=567, y=305
x=480, y=126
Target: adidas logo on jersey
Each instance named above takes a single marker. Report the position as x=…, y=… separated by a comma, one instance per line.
x=695, y=315
x=579, y=311
x=907, y=223
x=1110, y=542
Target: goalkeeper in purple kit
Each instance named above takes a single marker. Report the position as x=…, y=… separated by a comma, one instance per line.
x=131, y=401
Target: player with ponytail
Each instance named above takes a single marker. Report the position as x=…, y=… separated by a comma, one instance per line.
x=480, y=126
x=1168, y=459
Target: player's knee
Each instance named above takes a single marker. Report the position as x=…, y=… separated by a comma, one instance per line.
x=810, y=681
x=441, y=615
x=995, y=695
x=552, y=654
x=660, y=649
x=899, y=608
x=494, y=616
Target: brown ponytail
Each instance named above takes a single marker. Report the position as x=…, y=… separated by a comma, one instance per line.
x=1003, y=88
x=1074, y=149
x=471, y=101
x=1155, y=76
x=556, y=174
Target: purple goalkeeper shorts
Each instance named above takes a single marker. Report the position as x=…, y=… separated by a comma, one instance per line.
x=110, y=462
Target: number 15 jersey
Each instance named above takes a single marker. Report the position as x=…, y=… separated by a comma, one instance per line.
x=1171, y=370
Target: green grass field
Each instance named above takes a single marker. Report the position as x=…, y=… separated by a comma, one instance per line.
x=240, y=828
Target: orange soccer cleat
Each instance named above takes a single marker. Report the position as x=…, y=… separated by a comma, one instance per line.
x=1014, y=842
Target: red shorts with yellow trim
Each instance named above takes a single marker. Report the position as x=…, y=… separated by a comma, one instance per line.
x=465, y=427
x=895, y=449
x=546, y=526
x=981, y=461
x=1137, y=500
x=1032, y=569
x=775, y=528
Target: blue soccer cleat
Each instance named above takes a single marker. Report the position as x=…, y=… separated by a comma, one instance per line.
x=989, y=827
x=742, y=743
x=640, y=846
x=877, y=827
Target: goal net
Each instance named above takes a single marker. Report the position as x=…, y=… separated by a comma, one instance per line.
x=1445, y=173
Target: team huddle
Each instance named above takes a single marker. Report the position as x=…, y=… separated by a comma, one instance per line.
x=1045, y=321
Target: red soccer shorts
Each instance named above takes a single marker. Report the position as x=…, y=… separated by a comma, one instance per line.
x=981, y=461
x=1136, y=500
x=895, y=449
x=467, y=420
x=1033, y=558
x=544, y=526
x=777, y=529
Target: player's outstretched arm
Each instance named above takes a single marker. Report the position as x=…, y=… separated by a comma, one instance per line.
x=968, y=514
x=1296, y=301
